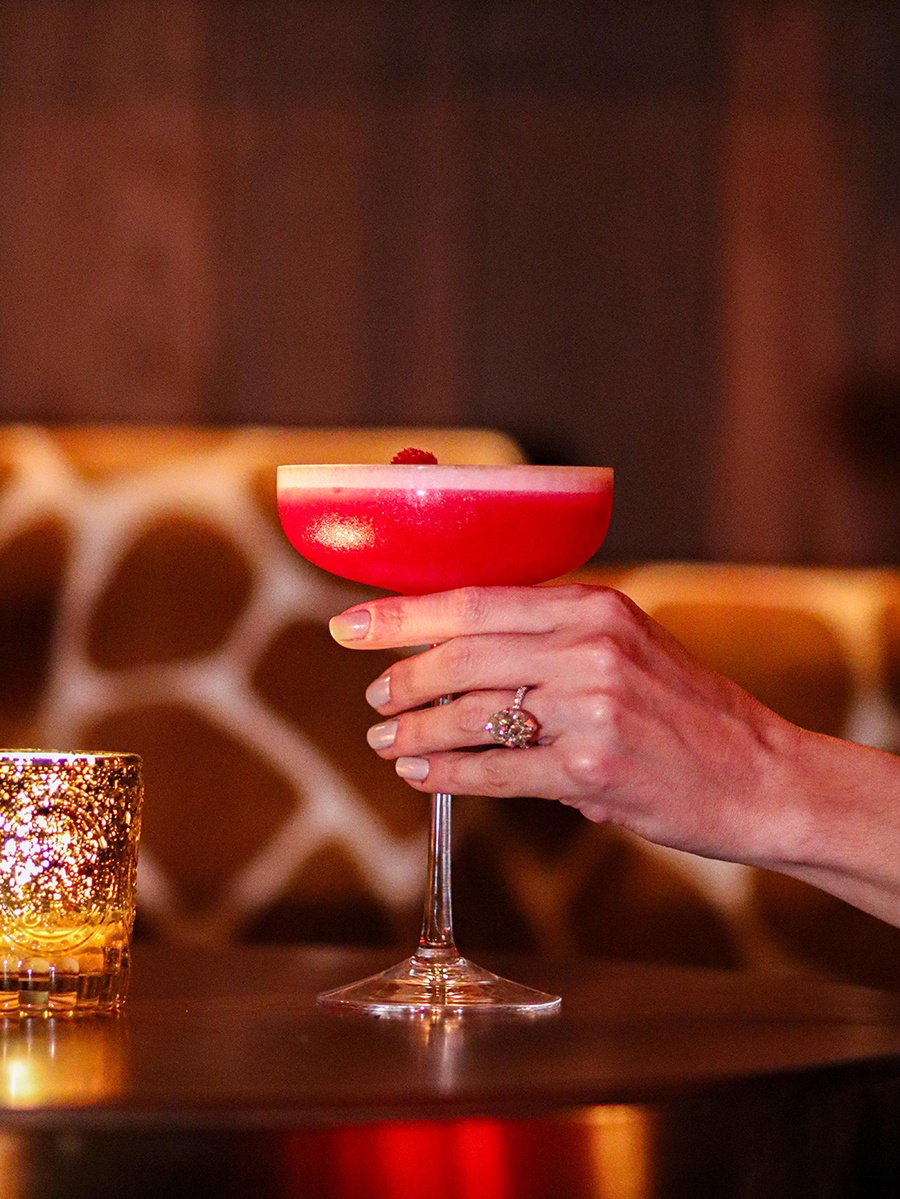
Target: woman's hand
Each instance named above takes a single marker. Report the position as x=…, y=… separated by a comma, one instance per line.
x=632, y=729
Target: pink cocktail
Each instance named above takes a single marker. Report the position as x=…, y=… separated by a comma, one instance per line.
x=416, y=529
x=423, y=528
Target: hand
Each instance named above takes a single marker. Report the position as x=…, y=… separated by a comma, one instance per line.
x=633, y=729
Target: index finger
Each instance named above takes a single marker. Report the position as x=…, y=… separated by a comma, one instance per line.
x=404, y=621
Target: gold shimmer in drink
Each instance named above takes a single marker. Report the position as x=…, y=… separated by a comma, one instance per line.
x=69, y=830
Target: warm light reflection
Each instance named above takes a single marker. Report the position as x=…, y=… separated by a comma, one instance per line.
x=622, y=1150
x=439, y=1043
x=46, y=1062
x=14, y=1182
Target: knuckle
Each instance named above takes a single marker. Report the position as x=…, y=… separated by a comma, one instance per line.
x=615, y=609
x=460, y=660
x=593, y=758
x=601, y=623
x=495, y=767
x=605, y=659
x=576, y=606
x=387, y=620
x=590, y=607
x=471, y=606
x=602, y=718
x=587, y=766
x=606, y=607
x=576, y=594
x=470, y=713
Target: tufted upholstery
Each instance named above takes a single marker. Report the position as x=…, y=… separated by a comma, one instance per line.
x=149, y=601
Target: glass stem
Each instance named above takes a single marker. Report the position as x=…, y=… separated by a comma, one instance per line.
x=436, y=938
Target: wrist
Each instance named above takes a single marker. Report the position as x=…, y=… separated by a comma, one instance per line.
x=789, y=821
x=840, y=824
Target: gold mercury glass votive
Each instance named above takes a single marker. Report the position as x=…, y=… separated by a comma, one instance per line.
x=69, y=830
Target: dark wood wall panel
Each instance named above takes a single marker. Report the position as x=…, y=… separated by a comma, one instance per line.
x=595, y=315
x=809, y=286
x=332, y=212
x=108, y=299
x=286, y=244
x=659, y=236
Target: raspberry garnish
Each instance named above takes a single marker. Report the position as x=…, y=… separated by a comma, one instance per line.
x=412, y=456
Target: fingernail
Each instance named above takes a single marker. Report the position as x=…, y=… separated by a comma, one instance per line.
x=379, y=692
x=350, y=626
x=412, y=768
x=381, y=736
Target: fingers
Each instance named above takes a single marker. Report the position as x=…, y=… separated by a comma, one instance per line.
x=465, y=664
x=499, y=772
x=459, y=724
x=448, y=748
x=581, y=651
x=399, y=621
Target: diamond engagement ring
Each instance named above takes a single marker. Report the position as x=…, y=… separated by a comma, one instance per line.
x=514, y=727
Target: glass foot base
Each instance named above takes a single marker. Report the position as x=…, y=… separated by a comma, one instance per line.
x=432, y=985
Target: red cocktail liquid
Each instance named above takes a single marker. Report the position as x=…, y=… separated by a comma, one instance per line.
x=416, y=529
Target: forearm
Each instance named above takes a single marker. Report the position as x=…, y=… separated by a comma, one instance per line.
x=842, y=832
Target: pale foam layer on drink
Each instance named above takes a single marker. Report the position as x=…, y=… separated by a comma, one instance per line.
x=564, y=479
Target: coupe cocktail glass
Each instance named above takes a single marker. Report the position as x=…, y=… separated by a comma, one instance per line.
x=423, y=528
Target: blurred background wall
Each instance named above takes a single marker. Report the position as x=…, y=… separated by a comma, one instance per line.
x=663, y=237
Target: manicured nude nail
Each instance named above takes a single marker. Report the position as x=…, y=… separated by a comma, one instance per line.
x=350, y=626
x=412, y=768
x=381, y=736
x=379, y=692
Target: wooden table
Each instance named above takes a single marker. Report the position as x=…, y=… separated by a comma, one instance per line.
x=224, y=1078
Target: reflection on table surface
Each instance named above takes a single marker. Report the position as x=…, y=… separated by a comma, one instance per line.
x=653, y=1082
x=46, y=1063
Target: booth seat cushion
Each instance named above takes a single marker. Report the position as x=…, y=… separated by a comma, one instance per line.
x=150, y=602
